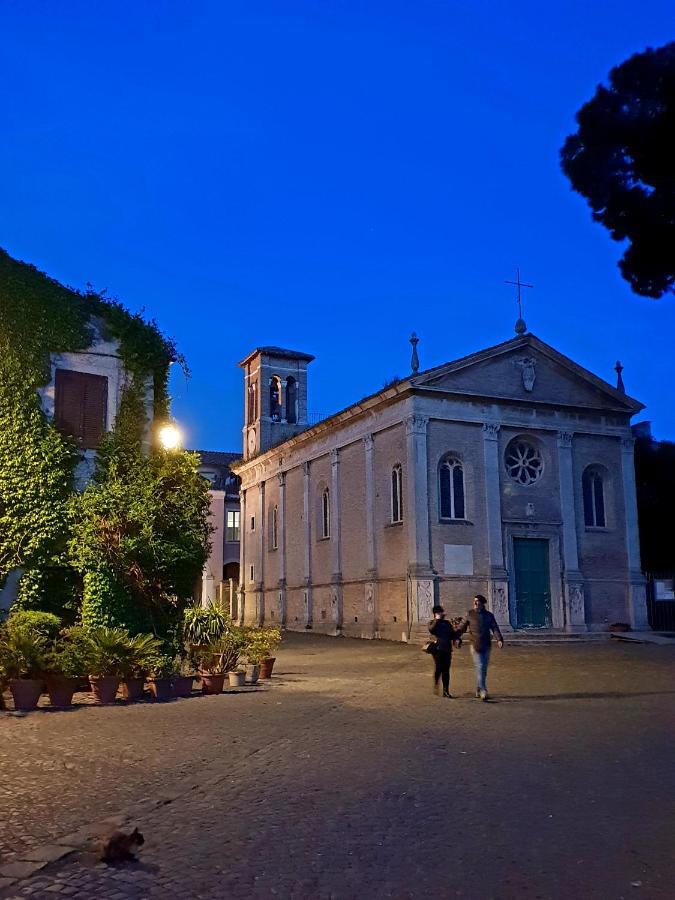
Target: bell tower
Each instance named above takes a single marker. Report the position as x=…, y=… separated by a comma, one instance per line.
x=275, y=397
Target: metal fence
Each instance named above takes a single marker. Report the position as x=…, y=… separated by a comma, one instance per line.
x=661, y=600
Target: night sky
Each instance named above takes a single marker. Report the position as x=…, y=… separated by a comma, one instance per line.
x=325, y=176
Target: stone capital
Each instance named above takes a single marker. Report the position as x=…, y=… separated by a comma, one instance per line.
x=416, y=424
x=628, y=444
x=491, y=431
x=282, y=478
x=368, y=442
x=565, y=440
x=305, y=469
x=334, y=457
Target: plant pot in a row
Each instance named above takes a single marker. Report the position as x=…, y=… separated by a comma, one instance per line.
x=266, y=666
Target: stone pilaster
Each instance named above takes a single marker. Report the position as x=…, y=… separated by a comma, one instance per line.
x=307, y=513
x=260, y=573
x=573, y=582
x=371, y=598
x=336, y=577
x=243, y=547
x=498, y=587
x=637, y=588
x=281, y=534
x=421, y=577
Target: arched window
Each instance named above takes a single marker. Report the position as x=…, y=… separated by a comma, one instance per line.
x=396, y=494
x=451, y=489
x=274, y=529
x=252, y=402
x=275, y=398
x=291, y=400
x=325, y=513
x=594, y=498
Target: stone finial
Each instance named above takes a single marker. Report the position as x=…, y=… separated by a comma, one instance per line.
x=521, y=327
x=618, y=368
x=415, y=360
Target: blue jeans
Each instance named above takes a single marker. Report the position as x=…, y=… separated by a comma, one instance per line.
x=480, y=661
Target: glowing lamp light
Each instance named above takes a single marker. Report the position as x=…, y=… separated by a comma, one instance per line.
x=170, y=437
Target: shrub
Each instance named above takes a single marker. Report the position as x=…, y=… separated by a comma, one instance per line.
x=260, y=643
x=45, y=624
x=104, y=650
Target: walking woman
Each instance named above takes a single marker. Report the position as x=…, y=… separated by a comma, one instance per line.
x=445, y=636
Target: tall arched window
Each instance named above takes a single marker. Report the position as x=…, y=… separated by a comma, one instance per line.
x=396, y=494
x=451, y=488
x=275, y=398
x=252, y=402
x=325, y=513
x=594, y=498
x=291, y=400
x=274, y=531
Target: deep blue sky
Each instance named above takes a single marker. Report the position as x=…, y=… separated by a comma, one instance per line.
x=326, y=176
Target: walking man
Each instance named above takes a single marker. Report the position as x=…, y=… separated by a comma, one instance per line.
x=444, y=633
x=481, y=625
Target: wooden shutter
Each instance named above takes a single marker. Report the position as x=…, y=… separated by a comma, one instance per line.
x=81, y=403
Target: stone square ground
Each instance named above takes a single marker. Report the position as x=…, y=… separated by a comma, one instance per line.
x=346, y=777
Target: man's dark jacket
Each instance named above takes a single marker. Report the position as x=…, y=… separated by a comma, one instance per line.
x=481, y=625
x=444, y=633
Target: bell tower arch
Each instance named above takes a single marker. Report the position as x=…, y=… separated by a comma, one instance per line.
x=275, y=397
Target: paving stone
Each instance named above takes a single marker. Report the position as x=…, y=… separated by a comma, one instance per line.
x=362, y=783
x=46, y=853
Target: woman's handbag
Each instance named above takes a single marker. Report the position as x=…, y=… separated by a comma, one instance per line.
x=429, y=647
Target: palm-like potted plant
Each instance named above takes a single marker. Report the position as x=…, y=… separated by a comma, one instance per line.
x=106, y=651
x=22, y=662
x=141, y=652
x=203, y=625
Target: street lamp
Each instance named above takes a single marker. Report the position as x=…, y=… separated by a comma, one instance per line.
x=170, y=437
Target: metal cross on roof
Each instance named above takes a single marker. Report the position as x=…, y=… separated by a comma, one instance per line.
x=520, y=284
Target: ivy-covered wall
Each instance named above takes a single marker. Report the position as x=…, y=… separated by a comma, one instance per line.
x=63, y=541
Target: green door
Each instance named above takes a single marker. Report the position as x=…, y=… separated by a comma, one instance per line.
x=533, y=584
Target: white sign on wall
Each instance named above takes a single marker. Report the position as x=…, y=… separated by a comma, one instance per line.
x=458, y=559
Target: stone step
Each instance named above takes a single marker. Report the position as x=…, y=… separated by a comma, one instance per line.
x=523, y=638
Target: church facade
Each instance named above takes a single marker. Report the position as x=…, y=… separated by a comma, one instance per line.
x=507, y=473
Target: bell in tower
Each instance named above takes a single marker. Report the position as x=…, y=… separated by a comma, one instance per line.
x=275, y=397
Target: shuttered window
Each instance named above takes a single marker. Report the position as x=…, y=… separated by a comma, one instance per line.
x=81, y=403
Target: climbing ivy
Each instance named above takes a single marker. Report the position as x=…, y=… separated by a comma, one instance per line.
x=47, y=529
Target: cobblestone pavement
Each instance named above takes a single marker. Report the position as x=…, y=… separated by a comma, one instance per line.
x=346, y=777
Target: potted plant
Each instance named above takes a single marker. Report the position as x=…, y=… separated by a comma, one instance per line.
x=142, y=651
x=160, y=677
x=210, y=662
x=106, y=650
x=237, y=677
x=65, y=664
x=203, y=625
x=184, y=678
x=261, y=642
x=22, y=661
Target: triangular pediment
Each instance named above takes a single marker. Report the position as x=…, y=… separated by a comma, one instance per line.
x=526, y=369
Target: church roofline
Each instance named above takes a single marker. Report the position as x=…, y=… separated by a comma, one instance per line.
x=420, y=382
x=423, y=379
x=278, y=352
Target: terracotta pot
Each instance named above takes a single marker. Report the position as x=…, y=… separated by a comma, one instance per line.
x=161, y=688
x=182, y=685
x=104, y=687
x=252, y=673
x=132, y=688
x=26, y=692
x=213, y=684
x=266, y=666
x=237, y=679
x=61, y=690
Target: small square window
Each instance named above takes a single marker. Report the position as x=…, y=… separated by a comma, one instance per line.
x=252, y=573
x=252, y=523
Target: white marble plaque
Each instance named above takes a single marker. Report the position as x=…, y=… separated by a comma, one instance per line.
x=458, y=559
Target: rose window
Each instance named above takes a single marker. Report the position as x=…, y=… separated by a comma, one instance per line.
x=523, y=462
